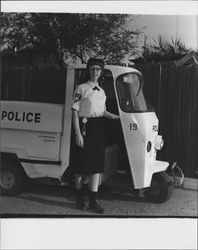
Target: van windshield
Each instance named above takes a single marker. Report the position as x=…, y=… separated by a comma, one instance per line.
x=129, y=88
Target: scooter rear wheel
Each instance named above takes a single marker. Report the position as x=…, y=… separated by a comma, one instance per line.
x=161, y=194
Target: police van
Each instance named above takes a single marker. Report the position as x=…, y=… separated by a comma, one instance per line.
x=36, y=137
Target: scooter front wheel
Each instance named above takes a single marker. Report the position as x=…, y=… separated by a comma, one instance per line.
x=12, y=178
x=160, y=190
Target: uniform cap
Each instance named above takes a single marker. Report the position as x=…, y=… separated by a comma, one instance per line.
x=95, y=61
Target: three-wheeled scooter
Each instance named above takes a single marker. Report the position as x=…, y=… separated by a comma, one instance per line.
x=36, y=137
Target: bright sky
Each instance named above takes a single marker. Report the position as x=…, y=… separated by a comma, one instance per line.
x=180, y=26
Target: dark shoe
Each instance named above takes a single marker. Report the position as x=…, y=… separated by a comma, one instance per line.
x=94, y=205
x=134, y=192
x=80, y=203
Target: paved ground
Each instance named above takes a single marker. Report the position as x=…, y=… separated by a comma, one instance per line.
x=52, y=200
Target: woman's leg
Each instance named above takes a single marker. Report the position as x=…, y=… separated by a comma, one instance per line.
x=93, y=202
x=80, y=203
x=94, y=182
x=78, y=181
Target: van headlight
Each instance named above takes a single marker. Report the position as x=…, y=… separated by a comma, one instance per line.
x=159, y=142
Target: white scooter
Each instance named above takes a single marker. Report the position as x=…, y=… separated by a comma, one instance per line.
x=36, y=137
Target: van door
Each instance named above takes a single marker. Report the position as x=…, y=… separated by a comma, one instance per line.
x=67, y=121
x=140, y=128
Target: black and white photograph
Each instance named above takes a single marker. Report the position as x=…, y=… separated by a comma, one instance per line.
x=99, y=117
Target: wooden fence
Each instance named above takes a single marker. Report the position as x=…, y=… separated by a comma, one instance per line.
x=37, y=85
x=173, y=90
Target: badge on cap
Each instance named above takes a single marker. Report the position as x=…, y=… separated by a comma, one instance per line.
x=77, y=97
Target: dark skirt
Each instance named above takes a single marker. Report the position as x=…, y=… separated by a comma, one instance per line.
x=89, y=159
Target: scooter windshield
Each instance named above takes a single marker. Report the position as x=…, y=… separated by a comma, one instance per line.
x=129, y=88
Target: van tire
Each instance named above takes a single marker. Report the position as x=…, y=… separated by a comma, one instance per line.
x=161, y=194
x=12, y=178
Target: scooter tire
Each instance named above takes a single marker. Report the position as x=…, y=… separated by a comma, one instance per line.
x=161, y=194
x=12, y=178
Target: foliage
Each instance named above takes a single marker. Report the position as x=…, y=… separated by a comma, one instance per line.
x=161, y=47
x=56, y=37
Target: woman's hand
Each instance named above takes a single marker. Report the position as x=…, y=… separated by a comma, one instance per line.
x=79, y=140
x=111, y=116
x=116, y=117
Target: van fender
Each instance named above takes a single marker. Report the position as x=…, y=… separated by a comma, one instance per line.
x=17, y=154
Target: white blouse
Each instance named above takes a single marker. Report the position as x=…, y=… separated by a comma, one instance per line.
x=89, y=100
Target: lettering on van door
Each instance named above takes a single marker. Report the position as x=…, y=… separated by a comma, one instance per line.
x=155, y=128
x=47, y=138
x=21, y=116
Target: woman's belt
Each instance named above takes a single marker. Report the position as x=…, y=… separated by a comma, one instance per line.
x=90, y=117
x=85, y=120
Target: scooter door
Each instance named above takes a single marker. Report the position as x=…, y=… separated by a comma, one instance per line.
x=140, y=129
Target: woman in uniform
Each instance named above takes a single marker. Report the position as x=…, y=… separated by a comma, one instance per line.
x=88, y=109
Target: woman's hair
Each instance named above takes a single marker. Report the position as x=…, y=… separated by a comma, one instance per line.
x=96, y=61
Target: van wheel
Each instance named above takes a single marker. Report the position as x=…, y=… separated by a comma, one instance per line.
x=161, y=194
x=12, y=178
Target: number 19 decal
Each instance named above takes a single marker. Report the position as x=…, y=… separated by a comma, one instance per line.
x=133, y=126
